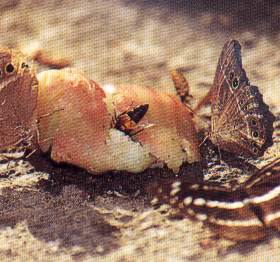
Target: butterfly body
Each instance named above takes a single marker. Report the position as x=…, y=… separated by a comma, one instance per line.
x=241, y=122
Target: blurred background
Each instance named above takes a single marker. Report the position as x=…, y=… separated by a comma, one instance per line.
x=135, y=42
x=140, y=41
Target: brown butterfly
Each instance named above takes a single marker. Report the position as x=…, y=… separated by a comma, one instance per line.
x=241, y=214
x=241, y=122
x=127, y=121
x=18, y=98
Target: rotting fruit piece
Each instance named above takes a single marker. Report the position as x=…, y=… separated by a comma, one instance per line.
x=79, y=127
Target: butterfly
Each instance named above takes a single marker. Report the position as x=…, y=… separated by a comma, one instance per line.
x=241, y=122
x=18, y=99
x=244, y=213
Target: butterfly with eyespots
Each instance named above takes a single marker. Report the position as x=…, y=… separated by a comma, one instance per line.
x=241, y=122
x=18, y=99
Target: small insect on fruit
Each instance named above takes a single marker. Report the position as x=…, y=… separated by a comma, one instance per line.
x=128, y=122
x=181, y=85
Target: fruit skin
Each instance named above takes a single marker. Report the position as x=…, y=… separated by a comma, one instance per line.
x=77, y=125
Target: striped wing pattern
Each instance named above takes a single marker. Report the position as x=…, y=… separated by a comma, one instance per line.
x=243, y=214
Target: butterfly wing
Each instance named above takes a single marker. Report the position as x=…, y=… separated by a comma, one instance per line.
x=226, y=212
x=264, y=191
x=241, y=214
x=269, y=176
x=241, y=122
x=18, y=96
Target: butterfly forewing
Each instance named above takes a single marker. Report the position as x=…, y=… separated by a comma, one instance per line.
x=229, y=70
x=18, y=96
x=241, y=121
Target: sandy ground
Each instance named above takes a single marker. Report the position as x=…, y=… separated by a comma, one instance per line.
x=61, y=213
